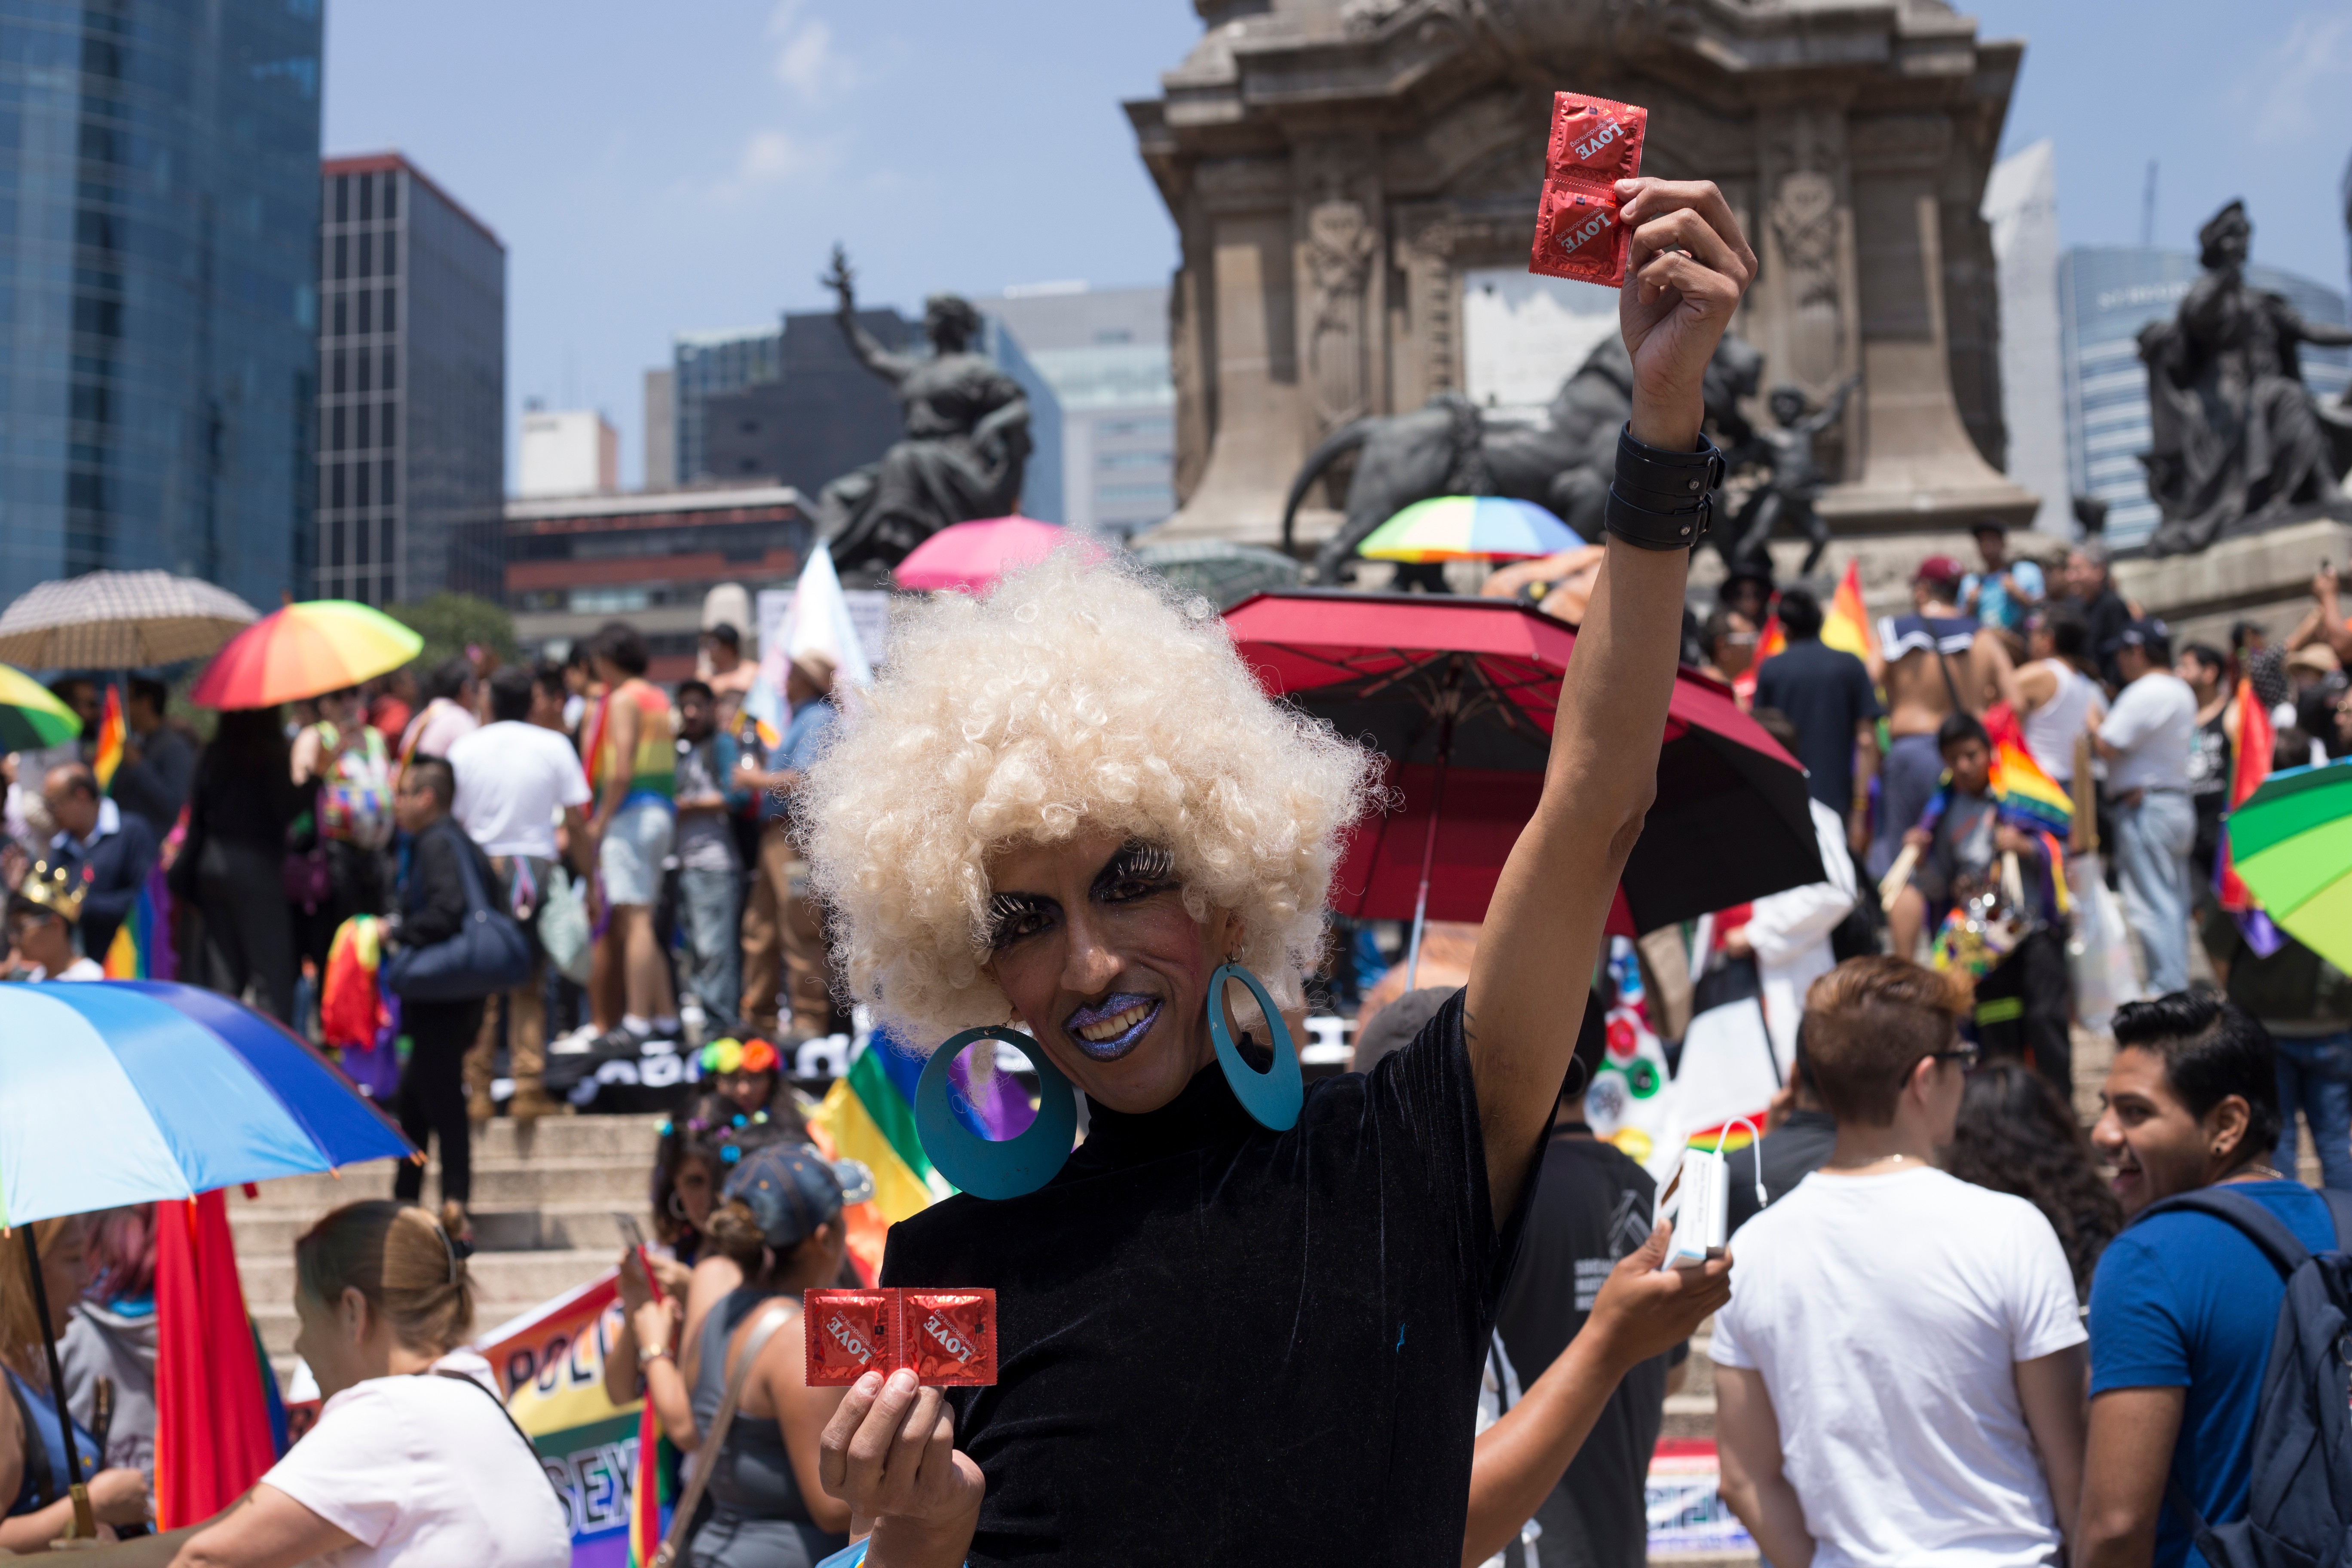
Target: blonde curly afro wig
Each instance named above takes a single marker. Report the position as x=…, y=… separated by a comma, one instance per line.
x=1072, y=697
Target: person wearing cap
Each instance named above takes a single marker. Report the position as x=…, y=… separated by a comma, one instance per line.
x=2000, y=595
x=783, y=931
x=2146, y=739
x=1932, y=664
x=779, y=1219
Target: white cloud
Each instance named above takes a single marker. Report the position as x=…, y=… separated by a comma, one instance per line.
x=2301, y=93
x=806, y=60
x=772, y=157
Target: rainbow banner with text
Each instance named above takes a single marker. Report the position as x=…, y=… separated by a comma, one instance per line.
x=551, y=1361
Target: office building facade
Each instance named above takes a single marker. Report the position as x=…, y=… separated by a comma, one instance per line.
x=817, y=416
x=567, y=452
x=412, y=387
x=704, y=365
x=157, y=330
x=2106, y=295
x=573, y=563
x=1104, y=354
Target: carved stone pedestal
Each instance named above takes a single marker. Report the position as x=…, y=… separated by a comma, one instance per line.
x=1338, y=173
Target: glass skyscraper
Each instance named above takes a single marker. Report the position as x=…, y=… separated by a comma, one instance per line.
x=159, y=311
x=411, y=392
x=2106, y=295
x=706, y=365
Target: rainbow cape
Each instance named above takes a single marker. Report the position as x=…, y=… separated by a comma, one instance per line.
x=2029, y=797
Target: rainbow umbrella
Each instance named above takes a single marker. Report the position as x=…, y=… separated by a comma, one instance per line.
x=304, y=650
x=1469, y=528
x=2291, y=841
x=968, y=557
x=117, y=1092
x=30, y=717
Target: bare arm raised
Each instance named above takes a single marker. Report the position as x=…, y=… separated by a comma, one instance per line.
x=1688, y=267
x=892, y=368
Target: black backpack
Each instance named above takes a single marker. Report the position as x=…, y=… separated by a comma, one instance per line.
x=2299, y=1491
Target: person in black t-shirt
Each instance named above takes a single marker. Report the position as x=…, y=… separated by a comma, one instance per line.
x=1827, y=695
x=1798, y=1143
x=1244, y=1318
x=1592, y=1207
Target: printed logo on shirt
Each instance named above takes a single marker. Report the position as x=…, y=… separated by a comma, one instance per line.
x=1629, y=1222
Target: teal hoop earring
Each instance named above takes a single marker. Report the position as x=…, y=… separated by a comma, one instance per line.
x=982, y=1167
x=1273, y=1097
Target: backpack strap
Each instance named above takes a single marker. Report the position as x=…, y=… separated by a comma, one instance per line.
x=487, y=1393
x=2339, y=1210
x=2252, y=1220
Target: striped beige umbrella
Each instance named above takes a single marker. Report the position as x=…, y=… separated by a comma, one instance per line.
x=119, y=620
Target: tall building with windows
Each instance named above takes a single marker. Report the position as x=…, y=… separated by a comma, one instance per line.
x=412, y=388
x=2106, y=295
x=1104, y=354
x=159, y=311
x=704, y=365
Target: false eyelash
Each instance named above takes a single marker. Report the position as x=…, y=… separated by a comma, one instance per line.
x=1140, y=862
x=1004, y=909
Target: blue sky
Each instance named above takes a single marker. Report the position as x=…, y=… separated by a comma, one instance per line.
x=655, y=168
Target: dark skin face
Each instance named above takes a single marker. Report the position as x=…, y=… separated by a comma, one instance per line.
x=42, y=939
x=2155, y=1143
x=1093, y=947
x=1972, y=765
x=695, y=718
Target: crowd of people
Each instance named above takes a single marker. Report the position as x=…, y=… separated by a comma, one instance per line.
x=1416, y=1313
x=662, y=814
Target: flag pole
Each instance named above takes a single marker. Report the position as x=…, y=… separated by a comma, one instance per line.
x=85, y=1522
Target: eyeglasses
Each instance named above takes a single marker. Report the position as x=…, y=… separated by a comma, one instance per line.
x=1967, y=1055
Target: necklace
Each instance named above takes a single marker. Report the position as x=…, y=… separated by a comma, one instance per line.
x=2259, y=1174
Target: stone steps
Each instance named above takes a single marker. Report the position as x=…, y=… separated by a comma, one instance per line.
x=551, y=1203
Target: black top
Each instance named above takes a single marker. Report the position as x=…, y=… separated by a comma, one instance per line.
x=2105, y=618
x=1826, y=693
x=1220, y=1344
x=111, y=874
x=156, y=785
x=1592, y=1208
x=245, y=800
x=433, y=899
x=1793, y=1151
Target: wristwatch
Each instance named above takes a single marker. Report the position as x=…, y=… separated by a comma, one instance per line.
x=1662, y=500
x=648, y=1354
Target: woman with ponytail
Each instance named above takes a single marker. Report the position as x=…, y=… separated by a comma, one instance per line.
x=413, y=1461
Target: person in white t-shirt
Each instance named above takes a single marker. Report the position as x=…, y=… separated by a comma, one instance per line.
x=413, y=1462
x=1899, y=1374
x=2146, y=739
x=516, y=780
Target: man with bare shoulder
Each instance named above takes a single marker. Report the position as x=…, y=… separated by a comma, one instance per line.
x=1932, y=664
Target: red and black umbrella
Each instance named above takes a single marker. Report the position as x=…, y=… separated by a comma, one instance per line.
x=1458, y=696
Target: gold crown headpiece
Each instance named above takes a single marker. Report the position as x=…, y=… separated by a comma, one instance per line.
x=54, y=889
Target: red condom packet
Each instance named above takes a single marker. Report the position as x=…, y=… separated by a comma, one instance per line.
x=947, y=1338
x=848, y=1332
x=1595, y=143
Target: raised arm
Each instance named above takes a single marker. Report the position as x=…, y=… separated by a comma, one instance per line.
x=892, y=368
x=1688, y=267
x=1832, y=411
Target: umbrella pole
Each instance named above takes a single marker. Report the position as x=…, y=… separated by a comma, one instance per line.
x=85, y=1523
x=1428, y=840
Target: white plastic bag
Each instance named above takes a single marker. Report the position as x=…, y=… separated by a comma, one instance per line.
x=2098, y=955
x=564, y=924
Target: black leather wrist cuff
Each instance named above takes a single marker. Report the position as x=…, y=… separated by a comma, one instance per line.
x=1660, y=499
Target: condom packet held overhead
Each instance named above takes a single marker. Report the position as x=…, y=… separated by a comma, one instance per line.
x=1595, y=143
x=848, y=1334
x=949, y=1337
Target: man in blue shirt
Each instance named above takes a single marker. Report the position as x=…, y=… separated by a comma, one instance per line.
x=2183, y=1307
x=783, y=931
x=2002, y=593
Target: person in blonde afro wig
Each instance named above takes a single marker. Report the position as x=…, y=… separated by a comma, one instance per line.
x=1073, y=699
x=1239, y=1322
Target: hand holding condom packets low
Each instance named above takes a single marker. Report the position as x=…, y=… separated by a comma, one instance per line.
x=1595, y=143
x=946, y=1338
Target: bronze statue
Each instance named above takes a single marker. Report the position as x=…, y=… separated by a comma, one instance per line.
x=1786, y=499
x=2238, y=442
x=967, y=439
x=1448, y=448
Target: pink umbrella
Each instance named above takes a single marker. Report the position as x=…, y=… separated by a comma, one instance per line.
x=971, y=556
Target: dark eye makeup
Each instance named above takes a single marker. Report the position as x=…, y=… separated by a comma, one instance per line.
x=1135, y=870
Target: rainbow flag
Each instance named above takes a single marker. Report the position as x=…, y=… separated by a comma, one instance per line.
x=653, y=1499
x=1846, y=626
x=1770, y=640
x=109, y=740
x=2028, y=798
x=142, y=948
x=868, y=1115
x=2248, y=769
x=551, y=1363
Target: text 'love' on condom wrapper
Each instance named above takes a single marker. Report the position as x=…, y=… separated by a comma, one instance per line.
x=1595, y=143
x=947, y=1338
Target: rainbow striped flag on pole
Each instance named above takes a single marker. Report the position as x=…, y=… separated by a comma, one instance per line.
x=109, y=741
x=868, y=1115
